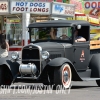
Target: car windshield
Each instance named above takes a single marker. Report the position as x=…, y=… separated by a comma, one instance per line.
x=55, y=33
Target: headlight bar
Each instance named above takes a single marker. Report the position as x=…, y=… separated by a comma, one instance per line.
x=15, y=55
x=45, y=55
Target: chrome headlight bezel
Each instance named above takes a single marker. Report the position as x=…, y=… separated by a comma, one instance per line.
x=45, y=55
x=15, y=55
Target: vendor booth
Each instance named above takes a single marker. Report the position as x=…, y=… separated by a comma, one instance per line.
x=22, y=13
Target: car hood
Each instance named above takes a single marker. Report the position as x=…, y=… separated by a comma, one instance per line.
x=53, y=45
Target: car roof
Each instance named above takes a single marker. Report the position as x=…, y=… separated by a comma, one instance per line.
x=57, y=23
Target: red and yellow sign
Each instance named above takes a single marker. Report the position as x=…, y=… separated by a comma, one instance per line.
x=92, y=9
x=94, y=20
x=81, y=17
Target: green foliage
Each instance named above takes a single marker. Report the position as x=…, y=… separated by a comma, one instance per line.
x=42, y=34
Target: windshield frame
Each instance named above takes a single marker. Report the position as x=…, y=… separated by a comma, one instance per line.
x=52, y=40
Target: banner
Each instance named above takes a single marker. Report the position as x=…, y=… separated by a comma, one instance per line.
x=79, y=5
x=4, y=7
x=92, y=9
x=30, y=7
x=81, y=17
x=94, y=20
x=63, y=9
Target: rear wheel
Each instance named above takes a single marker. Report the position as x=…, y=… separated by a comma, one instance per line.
x=98, y=82
x=63, y=76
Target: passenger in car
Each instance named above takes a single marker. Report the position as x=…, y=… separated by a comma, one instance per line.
x=64, y=37
x=79, y=38
x=53, y=33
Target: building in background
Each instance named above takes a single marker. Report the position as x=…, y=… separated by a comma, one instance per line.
x=17, y=15
x=79, y=5
x=88, y=10
x=92, y=10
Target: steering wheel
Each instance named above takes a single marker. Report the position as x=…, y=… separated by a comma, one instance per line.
x=64, y=37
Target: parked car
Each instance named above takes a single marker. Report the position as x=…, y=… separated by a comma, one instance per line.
x=55, y=61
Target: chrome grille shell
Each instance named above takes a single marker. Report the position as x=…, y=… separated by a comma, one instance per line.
x=32, y=54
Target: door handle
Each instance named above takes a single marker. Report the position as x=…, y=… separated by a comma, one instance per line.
x=74, y=49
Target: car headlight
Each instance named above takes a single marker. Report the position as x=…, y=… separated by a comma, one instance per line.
x=45, y=54
x=15, y=55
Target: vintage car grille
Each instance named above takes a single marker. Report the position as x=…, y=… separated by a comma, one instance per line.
x=31, y=55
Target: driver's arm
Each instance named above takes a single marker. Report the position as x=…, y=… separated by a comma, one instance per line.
x=52, y=33
x=80, y=40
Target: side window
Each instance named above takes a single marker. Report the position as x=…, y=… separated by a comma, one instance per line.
x=79, y=37
x=82, y=35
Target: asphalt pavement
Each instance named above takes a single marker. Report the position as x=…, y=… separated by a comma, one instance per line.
x=79, y=91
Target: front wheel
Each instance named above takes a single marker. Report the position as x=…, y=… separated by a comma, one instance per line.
x=98, y=82
x=1, y=76
x=5, y=76
x=63, y=76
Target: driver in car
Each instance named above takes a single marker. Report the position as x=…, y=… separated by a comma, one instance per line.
x=64, y=37
x=79, y=38
x=53, y=33
x=64, y=34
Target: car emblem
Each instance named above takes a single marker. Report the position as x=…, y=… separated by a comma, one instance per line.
x=82, y=54
x=30, y=47
x=82, y=58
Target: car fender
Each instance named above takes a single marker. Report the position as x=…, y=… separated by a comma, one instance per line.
x=12, y=66
x=94, y=65
x=57, y=62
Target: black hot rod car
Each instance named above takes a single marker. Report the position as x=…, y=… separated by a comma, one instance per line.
x=53, y=57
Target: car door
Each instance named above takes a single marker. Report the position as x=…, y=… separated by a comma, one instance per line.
x=81, y=55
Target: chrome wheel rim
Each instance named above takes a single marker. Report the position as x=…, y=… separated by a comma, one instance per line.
x=66, y=76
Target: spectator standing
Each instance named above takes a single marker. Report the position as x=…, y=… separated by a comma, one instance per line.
x=4, y=46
